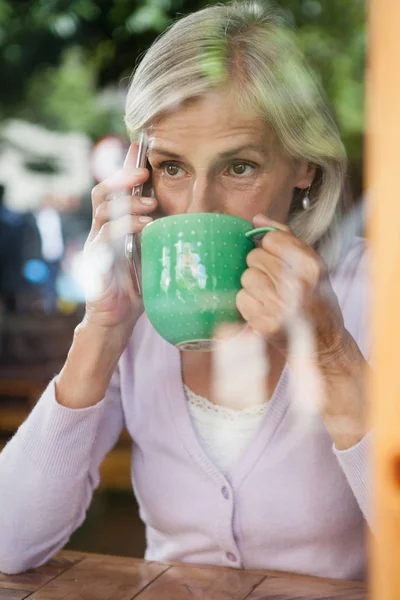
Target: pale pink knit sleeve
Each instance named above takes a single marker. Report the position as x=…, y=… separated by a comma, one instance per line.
x=48, y=472
x=354, y=288
x=356, y=465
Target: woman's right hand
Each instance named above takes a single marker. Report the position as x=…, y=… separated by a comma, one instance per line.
x=112, y=299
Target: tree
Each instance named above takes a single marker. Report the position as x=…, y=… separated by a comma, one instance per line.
x=57, y=54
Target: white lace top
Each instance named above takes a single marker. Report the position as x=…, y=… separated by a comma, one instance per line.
x=223, y=432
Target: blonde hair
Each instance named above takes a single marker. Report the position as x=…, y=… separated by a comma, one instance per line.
x=248, y=46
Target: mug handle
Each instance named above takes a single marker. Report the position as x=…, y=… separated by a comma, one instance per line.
x=259, y=232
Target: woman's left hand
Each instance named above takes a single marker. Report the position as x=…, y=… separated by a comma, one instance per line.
x=285, y=280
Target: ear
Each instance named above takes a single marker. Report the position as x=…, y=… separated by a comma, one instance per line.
x=305, y=174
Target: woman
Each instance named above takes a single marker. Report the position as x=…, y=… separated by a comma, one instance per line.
x=236, y=125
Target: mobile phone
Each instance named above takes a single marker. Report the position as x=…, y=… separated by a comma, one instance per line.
x=133, y=241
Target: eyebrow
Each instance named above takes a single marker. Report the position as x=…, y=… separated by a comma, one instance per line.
x=221, y=155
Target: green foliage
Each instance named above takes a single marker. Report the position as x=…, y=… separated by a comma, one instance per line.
x=334, y=42
x=57, y=54
x=66, y=98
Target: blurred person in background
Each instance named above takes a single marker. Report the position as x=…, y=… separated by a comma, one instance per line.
x=236, y=125
x=49, y=219
x=19, y=243
x=44, y=174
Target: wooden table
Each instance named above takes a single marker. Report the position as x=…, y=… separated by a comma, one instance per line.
x=74, y=576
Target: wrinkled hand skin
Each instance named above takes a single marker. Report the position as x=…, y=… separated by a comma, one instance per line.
x=287, y=280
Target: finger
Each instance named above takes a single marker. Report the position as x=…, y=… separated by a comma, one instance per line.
x=119, y=228
x=259, y=286
x=269, y=265
x=122, y=180
x=286, y=282
x=284, y=296
x=274, y=240
x=295, y=253
x=113, y=209
x=247, y=305
x=254, y=314
x=262, y=221
x=115, y=230
x=300, y=258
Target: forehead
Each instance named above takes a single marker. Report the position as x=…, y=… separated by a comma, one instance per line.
x=213, y=118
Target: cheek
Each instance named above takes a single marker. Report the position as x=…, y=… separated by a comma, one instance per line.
x=171, y=200
x=281, y=198
x=279, y=209
x=247, y=202
x=277, y=202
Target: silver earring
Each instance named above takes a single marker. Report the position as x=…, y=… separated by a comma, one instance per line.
x=306, y=199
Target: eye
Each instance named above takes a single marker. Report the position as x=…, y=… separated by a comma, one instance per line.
x=172, y=170
x=241, y=169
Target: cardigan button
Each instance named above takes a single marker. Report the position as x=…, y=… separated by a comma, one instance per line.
x=230, y=556
x=225, y=492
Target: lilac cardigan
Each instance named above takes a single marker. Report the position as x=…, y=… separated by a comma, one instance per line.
x=291, y=502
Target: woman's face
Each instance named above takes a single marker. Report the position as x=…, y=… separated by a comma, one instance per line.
x=208, y=157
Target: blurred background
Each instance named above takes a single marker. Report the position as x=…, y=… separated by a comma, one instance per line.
x=64, y=69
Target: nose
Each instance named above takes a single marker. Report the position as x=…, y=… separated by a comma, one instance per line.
x=203, y=197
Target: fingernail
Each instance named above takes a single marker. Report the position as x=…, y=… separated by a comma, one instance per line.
x=260, y=216
x=146, y=201
x=145, y=219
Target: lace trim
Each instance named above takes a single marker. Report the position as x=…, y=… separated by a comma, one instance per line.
x=230, y=414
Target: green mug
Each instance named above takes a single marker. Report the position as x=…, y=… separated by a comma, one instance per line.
x=191, y=270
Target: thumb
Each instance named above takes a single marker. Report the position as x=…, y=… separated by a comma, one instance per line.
x=261, y=220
